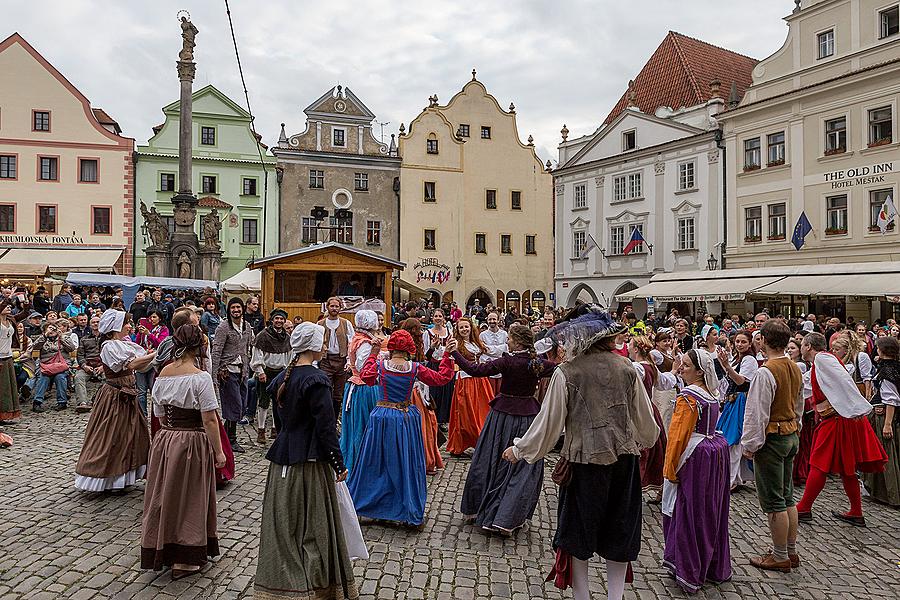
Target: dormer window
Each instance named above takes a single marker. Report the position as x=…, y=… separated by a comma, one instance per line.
x=825, y=43
x=629, y=140
x=889, y=20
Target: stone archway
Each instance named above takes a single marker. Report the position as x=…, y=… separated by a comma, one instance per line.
x=582, y=292
x=484, y=298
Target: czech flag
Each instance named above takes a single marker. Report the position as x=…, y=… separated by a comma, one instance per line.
x=636, y=240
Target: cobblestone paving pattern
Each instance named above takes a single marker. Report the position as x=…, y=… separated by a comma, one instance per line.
x=56, y=542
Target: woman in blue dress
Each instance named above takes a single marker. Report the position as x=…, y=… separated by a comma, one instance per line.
x=740, y=372
x=359, y=398
x=388, y=479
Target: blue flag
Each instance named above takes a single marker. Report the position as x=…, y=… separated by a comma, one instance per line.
x=802, y=228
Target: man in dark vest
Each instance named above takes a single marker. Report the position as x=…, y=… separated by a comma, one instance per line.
x=338, y=333
x=771, y=439
x=270, y=355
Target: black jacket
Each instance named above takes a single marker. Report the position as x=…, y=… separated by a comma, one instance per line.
x=308, y=430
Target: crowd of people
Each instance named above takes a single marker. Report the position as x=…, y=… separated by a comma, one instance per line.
x=664, y=410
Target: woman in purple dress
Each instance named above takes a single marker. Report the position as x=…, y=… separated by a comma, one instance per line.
x=500, y=496
x=696, y=491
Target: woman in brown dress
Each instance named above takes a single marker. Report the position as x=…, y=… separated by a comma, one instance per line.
x=179, y=525
x=116, y=441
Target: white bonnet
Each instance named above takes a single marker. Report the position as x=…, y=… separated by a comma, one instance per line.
x=366, y=319
x=307, y=336
x=111, y=320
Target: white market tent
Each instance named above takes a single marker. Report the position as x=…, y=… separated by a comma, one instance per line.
x=248, y=280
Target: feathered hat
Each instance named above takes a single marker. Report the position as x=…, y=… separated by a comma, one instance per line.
x=592, y=325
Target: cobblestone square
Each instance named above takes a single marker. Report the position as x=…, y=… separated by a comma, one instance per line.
x=61, y=543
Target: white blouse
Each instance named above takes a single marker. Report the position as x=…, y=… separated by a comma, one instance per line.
x=192, y=391
x=889, y=394
x=865, y=367
x=115, y=354
x=479, y=358
x=6, y=335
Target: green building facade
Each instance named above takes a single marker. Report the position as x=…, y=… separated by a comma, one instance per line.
x=228, y=177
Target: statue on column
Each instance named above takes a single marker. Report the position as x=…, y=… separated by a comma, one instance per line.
x=211, y=227
x=188, y=33
x=156, y=227
x=184, y=265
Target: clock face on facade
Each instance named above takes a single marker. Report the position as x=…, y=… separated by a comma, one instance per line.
x=340, y=106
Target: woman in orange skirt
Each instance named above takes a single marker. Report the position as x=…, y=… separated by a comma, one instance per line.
x=471, y=395
x=433, y=460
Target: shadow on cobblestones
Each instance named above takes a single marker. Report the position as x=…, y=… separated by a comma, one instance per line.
x=60, y=543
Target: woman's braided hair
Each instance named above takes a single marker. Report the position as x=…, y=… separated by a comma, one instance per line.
x=524, y=339
x=287, y=378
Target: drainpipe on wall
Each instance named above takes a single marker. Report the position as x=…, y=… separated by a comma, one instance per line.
x=719, y=138
x=396, y=187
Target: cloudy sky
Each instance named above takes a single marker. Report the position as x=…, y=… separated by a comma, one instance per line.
x=560, y=62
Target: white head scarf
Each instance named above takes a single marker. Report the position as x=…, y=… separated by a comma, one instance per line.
x=366, y=319
x=808, y=326
x=705, y=331
x=307, y=336
x=111, y=320
x=708, y=367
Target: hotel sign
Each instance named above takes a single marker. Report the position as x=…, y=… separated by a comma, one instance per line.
x=431, y=270
x=859, y=176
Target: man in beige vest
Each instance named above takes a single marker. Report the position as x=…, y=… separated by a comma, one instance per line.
x=771, y=439
x=338, y=333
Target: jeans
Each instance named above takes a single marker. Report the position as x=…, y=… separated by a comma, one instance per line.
x=61, y=381
x=81, y=381
x=144, y=383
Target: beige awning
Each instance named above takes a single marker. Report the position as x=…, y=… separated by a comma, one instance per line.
x=23, y=271
x=860, y=284
x=85, y=260
x=700, y=290
x=412, y=288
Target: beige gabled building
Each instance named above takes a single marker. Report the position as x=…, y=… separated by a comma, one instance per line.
x=66, y=172
x=476, y=205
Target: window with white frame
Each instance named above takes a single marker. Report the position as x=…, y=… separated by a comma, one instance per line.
x=775, y=149
x=373, y=233
x=889, y=21
x=686, y=175
x=620, y=188
x=836, y=135
x=825, y=44
x=836, y=215
x=751, y=154
x=686, y=226
x=777, y=221
x=634, y=186
x=753, y=223
x=341, y=230
x=316, y=179
x=617, y=239
x=361, y=182
x=338, y=137
x=579, y=241
x=430, y=240
x=308, y=230
x=629, y=140
x=580, y=195
x=877, y=199
x=880, y=126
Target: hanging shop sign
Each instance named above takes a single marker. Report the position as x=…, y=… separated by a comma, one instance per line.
x=431, y=270
x=866, y=175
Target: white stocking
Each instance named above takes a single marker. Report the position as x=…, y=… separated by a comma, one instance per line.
x=261, y=415
x=580, y=589
x=615, y=579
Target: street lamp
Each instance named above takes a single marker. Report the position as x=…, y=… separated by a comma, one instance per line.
x=459, y=269
x=711, y=262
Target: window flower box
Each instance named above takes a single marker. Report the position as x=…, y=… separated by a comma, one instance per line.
x=776, y=238
x=882, y=142
x=752, y=239
x=775, y=163
x=748, y=168
x=835, y=231
x=877, y=229
x=834, y=151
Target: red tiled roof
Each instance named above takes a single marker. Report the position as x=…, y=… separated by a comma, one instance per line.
x=679, y=72
x=210, y=202
x=104, y=119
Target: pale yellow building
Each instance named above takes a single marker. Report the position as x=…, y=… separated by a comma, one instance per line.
x=816, y=133
x=66, y=173
x=476, y=205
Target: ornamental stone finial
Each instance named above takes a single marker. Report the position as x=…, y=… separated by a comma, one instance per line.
x=565, y=132
x=473, y=75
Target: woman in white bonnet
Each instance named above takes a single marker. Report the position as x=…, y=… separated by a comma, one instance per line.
x=116, y=441
x=359, y=398
x=302, y=549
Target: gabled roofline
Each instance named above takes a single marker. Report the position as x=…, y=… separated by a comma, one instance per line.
x=604, y=131
x=16, y=38
x=174, y=107
x=261, y=262
x=368, y=114
x=633, y=155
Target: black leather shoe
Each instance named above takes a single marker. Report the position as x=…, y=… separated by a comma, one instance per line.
x=38, y=408
x=235, y=447
x=855, y=521
x=804, y=517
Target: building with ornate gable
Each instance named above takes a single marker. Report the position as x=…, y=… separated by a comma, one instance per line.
x=337, y=164
x=476, y=204
x=66, y=172
x=653, y=166
x=228, y=177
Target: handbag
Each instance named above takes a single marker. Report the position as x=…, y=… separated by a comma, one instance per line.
x=562, y=472
x=55, y=366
